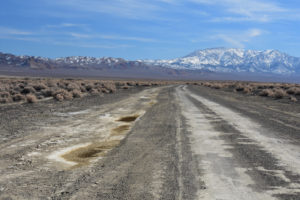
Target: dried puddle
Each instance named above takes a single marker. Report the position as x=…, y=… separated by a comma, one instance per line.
x=84, y=155
x=128, y=118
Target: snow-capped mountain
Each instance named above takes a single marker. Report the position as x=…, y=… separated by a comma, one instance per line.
x=234, y=60
x=201, y=63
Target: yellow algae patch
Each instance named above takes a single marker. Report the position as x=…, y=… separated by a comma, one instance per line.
x=128, y=118
x=120, y=130
x=151, y=103
x=83, y=155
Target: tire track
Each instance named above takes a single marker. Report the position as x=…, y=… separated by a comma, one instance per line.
x=234, y=163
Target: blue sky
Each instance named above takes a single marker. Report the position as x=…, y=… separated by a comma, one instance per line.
x=146, y=29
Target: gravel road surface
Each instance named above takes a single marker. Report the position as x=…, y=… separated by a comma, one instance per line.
x=173, y=142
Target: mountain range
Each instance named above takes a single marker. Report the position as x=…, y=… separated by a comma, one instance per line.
x=198, y=64
x=82, y=66
x=234, y=60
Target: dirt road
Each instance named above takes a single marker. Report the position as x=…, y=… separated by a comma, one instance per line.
x=174, y=142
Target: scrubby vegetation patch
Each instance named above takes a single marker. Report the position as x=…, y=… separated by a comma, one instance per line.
x=273, y=90
x=32, y=90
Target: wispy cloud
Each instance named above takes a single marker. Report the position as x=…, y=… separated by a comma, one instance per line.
x=11, y=31
x=110, y=37
x=238, y=39
x=246, y=10
x=17, y=34
x=224, y=10
x=20, y=38
x=127, y=8
x=47, y=37
x=65, y=25
x=118, y=37
x=45, y=34
x=92, y=45
x=80, y=35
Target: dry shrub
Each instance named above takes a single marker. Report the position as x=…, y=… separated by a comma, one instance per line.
x=62, y=94
x=104, y=90
x=18, y=97
x=31, y=98
x=266, y=93
x=59, y=97
x=98, y=88
x=207, y=84
x=27, y=90
x=111, y=87
x=145, y=84
x=77, y=94
x=82, y=89
x=14, y=92
x=125, y=87
x=39, y=86
x=19, y=87
x=293, y=90
x=279, y=93
x=217, y=86
x=62, y=84
x=4, y=94
x=51, y=83
x=131, y=83
x=4, y=87
x=285, y=86
x=88, y=88
x=294, y=99
x=239, y=87
x=247, y=90
x=120, y=84
x=261, y=87
x=73, y=86
x=82, y=84
x=95, y=91
x=4, y=100
x=47, y=92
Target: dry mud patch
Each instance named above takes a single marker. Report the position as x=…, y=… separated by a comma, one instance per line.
x=64, y=146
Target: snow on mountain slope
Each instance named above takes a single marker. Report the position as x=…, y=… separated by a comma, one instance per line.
x=235, y=60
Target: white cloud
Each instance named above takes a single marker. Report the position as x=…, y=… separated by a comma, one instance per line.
x=246, y=10
x=65, y=25
x=230, y=40
x=110, y=37
x=80, y=35
x=254, y=32
x=238, y=39
x=118, y=37
x=127, y=8
x=17, y=34
x=11, y=31
x=92, y=45
x=224, y=10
